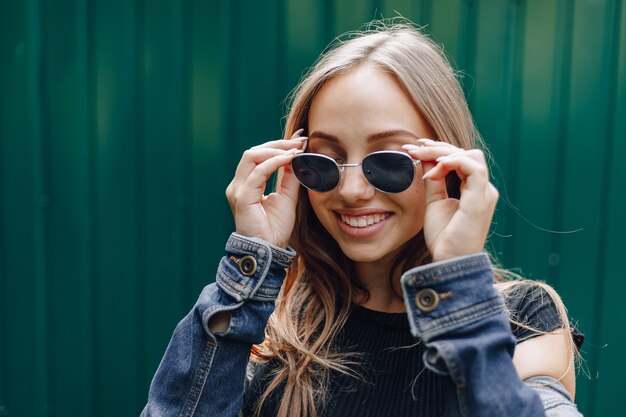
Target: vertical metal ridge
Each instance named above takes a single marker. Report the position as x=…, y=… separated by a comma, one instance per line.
x=426, y=12
x=3, y=279
x=516, y=18
x=281, y=75
x=3, y=285
x=140, y=193
x=186, y=145
x=467, y=46
x=82, y=39
x=610, y=56
x=328, y=24
x=562, y=72
x=281, y=47
x=231, y=13
x=41, y=198
x=94, y=208
x=377, y=7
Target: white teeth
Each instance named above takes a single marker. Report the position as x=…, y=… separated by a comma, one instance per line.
x=362, y=221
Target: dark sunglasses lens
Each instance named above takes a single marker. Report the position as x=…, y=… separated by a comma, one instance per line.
x=315, y=172
x=389, y=172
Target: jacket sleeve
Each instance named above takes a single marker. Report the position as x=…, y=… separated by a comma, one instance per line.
x=555, y=398
x=202, y=373
x=461, y=318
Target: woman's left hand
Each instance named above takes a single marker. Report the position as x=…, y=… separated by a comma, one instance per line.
x=455, y=227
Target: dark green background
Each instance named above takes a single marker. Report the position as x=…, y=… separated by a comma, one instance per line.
x=121, y=123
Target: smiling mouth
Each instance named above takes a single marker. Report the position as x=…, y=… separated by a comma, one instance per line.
x=363, y=221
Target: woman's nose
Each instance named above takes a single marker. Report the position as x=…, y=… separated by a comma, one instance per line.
x=354, y=187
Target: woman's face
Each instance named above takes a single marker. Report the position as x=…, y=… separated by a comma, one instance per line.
x=354, y=114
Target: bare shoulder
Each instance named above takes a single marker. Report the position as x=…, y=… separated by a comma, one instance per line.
x=546, y=342
x=547, y=355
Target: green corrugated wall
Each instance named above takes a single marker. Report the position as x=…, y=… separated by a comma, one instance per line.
x=121, y=123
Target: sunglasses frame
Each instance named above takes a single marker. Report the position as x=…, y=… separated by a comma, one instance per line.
x=340, y=168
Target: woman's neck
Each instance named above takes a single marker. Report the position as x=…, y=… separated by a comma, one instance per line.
x=383, y=292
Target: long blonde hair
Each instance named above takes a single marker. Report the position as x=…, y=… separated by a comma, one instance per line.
x=314, y=303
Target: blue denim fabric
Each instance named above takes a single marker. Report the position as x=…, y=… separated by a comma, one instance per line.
x=467, y=336
x=555, y=398
x=201, y=373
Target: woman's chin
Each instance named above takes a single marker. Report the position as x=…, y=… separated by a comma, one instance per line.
x=365, y=254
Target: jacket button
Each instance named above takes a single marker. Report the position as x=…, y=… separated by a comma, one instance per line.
x=427, y=300
x=247, y=265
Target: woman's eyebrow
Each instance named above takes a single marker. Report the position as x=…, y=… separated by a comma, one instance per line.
x=371, y=138
x=321, y=135
x=390, y=133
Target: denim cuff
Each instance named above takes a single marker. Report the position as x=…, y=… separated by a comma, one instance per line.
x=253, y=268
x=443, y=296
x=557, y=401
x=239, y=244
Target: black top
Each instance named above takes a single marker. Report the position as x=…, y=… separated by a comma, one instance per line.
x=396, y=383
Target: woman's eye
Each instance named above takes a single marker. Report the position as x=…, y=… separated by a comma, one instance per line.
x=397, y=148
x=331, y=154
x=338, y=159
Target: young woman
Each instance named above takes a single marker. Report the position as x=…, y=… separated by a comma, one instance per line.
x=372, y=247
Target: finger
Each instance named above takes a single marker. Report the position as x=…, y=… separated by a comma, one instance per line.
x=255, y=156
x=474, y=181
x=427, y=166
x=436, y=143
x=430, y=153
x=297, y=133
x=477, y=155
x=303, y=139
x=288, y=184
x=434, y=190
x=468, y=169
x=258, y=177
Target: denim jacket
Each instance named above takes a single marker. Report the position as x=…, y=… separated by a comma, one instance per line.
x=451, y=305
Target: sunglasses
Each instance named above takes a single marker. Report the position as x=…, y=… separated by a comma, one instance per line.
x=388, y=171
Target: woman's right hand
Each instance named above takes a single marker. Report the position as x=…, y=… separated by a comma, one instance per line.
x=270, y=217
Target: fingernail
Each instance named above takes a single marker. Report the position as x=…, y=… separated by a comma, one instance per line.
x=425, y=140
x=300, y=138
x=297, y=151
x=297, y=132
x=412, y=147
x=442, y=158
x=427, y=175
x=303, y=142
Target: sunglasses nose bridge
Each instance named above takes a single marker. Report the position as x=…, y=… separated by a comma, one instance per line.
x=342, y=168
x=362, y=178
x=350, y=165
